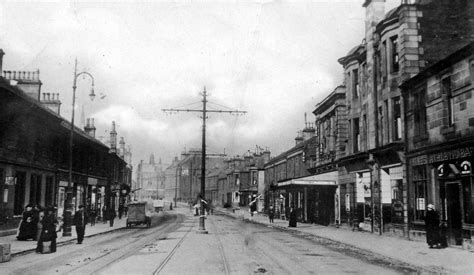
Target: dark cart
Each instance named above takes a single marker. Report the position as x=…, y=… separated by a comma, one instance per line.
x=137, y=214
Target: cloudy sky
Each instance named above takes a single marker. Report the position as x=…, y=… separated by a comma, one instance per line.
x=273, y=59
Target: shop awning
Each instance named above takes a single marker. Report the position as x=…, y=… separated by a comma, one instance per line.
x=326, y=179
x=306, y=182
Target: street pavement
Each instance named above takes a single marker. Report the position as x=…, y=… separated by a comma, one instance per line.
x=20, y=247
x=450, y=260
x=414, y=253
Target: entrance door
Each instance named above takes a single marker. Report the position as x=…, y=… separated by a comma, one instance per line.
x=454, y=213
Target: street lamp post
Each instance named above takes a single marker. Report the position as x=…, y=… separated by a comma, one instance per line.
x=68, y=203
x=178, y=168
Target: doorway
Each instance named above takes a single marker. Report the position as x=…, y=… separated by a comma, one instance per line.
x=453, y=213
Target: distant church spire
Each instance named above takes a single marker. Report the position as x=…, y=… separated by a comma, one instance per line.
x=152, y=159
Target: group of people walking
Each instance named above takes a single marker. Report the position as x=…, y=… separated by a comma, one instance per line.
x=41, y=225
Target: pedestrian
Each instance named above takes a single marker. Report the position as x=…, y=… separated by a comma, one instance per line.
x=271, y=213
x=39, y=228
x=111, y=215
x=293, y=216
x=28, y=225
x=432, y=226
x=120, y=211
x=104, y=214
x=92, y=216
x=48, y=236
x=80, y=221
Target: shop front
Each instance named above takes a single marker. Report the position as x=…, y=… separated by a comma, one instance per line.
x=314, y=197
x=445, y=179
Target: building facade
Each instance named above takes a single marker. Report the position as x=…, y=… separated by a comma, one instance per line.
x=35, y=155
x=397, y=45
x=440, y=130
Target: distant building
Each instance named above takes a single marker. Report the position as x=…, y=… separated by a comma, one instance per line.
x=150, y=180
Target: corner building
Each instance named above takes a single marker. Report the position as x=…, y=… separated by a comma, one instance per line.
x=397, y=46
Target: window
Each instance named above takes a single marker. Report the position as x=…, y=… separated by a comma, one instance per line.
x=419, y=113
x=364, y=127
x=446, y=90
x=395, y=66
x=381, y=128
x=49, y=194
x=420, y=186
x=356, y=135
x=397, y=119
x=237, y=180
x=355, y=84
x=384, y=61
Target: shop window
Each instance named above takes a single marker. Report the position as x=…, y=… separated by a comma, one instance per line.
x=419, y=113
x=356, y=135
x=397, y=119
x=19, y=193
x=468, y=195
x=49, y=192
x=35, y=189
x=420, y=187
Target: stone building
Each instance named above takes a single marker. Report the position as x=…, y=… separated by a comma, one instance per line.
x=150, y=180
x=288, y=181
x=397, y=45
x=440, y=146
x=35, y=154
x=331, y=125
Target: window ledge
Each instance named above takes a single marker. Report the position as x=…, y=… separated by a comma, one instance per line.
x=447, y=130
x=420, y=138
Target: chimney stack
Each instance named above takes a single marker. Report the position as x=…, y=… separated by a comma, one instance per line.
x=89, y=128
x=113, y=139
x=2, y=53
x=52, y=102
x=299, y=138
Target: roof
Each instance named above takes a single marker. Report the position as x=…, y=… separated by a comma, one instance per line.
x=356, y=53
x=297, y=147
x=450, y=60
x=63, y=122
x=338, y=93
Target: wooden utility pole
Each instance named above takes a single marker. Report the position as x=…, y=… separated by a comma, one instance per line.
x=204, y=111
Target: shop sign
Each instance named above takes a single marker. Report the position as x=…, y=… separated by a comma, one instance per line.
x=63, y=183
x=450, y=155
x=420, y=160
x=441, y=170
x=10, y=180
x=466, y=168
x=92, y=181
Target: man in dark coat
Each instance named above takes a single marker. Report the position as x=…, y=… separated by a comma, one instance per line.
x=48, y=233
x=111, y=215
x=80, y=220
x=293, y=216
x=432, y=226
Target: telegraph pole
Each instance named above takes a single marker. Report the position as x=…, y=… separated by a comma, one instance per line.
x=204, y=111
